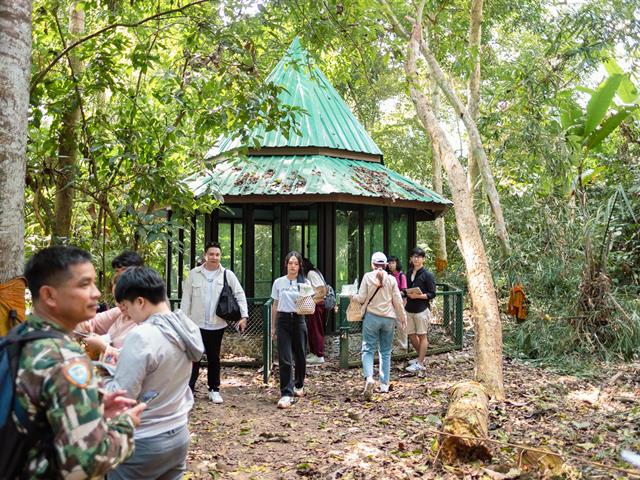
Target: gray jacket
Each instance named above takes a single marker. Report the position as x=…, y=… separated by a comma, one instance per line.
x=157, y=356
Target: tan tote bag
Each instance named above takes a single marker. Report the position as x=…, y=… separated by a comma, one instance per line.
x=355, y=311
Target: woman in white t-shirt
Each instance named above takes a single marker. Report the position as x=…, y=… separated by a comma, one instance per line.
x=315, y=322
x=291, y=330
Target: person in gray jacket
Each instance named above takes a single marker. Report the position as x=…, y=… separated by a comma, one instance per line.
x=200, y=297
x=154, y=367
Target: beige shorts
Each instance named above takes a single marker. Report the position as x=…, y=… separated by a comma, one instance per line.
x=418, y=323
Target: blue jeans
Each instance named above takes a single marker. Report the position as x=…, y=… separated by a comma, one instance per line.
x=376, y=331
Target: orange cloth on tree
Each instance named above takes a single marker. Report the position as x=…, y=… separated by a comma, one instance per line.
x=11, y=298
x=441, y=265
x=517, y=305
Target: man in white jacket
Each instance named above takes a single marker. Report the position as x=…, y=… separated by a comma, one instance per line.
x=200, y=297
x=154, y=367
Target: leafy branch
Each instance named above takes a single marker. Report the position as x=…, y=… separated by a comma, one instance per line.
x=40, y=75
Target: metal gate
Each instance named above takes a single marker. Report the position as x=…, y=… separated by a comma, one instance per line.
x=445, y=333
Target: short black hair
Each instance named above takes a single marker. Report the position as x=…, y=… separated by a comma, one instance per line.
x=419, y=252
x=128, y=258
x=212, y=245
x=50, y=266
x=393, y=258
x=142, y=282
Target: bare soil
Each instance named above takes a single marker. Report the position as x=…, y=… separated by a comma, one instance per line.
x=333, y=433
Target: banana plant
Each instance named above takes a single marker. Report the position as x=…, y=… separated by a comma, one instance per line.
x=586, y=128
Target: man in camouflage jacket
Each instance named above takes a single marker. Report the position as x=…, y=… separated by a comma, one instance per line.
x=91, y=433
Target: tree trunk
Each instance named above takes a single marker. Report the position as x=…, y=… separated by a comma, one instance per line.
x=488, y=328
x=15, y=70
x=467, y=423
x=68, y=144
x=476, y=149
x=441, y=237
x=473, y=100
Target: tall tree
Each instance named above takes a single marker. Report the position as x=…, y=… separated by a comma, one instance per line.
x=475, y=141
x=473, y=96
x=436, y=161
x=68, y=143
x=15, y=66
x=488, y=328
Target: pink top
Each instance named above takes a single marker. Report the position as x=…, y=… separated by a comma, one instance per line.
x=401, y=278
x=112, y=322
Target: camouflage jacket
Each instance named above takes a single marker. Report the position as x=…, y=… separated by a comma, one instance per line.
x=56, y=385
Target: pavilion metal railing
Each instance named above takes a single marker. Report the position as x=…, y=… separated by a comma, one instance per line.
x=445, y=332
x=253, y=347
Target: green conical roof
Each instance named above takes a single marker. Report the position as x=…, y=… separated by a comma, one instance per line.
x=328, y=122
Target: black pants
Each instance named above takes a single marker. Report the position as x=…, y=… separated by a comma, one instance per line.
x=292, y=348
x=212, y=340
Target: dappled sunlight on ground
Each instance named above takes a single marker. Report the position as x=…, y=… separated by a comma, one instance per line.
x=333, y=433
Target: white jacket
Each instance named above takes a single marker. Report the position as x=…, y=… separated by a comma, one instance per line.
x=193, y=293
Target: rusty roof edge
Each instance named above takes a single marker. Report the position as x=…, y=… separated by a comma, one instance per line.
x=363, y=179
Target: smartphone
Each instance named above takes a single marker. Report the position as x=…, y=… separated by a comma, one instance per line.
x=147, y=397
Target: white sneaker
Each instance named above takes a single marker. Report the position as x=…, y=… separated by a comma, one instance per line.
x=415, y=367
x=368, y=389
x=298, y=392
x=415, y=360
x=215, y=397
x=313, y=359
x=384, y=388
x=285, y=402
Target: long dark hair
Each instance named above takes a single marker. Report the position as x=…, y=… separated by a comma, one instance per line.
x=307, y=266
x=300, y=261
x=394, y=259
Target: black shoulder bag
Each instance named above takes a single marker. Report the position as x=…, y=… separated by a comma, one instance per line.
x=228, y=308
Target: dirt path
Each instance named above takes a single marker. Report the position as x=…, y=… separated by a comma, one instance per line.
x=333, y=433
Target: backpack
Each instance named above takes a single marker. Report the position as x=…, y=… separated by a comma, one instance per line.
x=330, y=298
x=16, y=444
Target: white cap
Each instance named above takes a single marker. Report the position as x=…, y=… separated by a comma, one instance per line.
x=379, y=258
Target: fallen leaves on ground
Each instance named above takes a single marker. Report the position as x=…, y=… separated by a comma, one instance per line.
x=333, y=433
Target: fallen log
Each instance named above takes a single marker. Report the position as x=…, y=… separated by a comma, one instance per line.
x=466, y=424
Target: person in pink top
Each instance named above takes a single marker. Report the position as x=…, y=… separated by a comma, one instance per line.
x=394, y=267
x=107, y=330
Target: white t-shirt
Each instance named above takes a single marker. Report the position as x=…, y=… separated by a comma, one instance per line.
x=315, y=279
x=211, y=276
x=285, y=291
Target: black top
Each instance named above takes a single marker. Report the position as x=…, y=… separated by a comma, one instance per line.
x=427, y=283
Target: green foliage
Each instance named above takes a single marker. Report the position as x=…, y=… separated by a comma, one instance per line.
x=156, y=97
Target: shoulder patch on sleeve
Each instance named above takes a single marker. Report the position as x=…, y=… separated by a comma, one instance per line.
x=78, y=373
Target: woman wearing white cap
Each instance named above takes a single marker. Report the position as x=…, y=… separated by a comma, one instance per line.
x=383, y=305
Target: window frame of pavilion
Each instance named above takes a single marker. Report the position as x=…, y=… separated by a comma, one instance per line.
x=389, y=229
